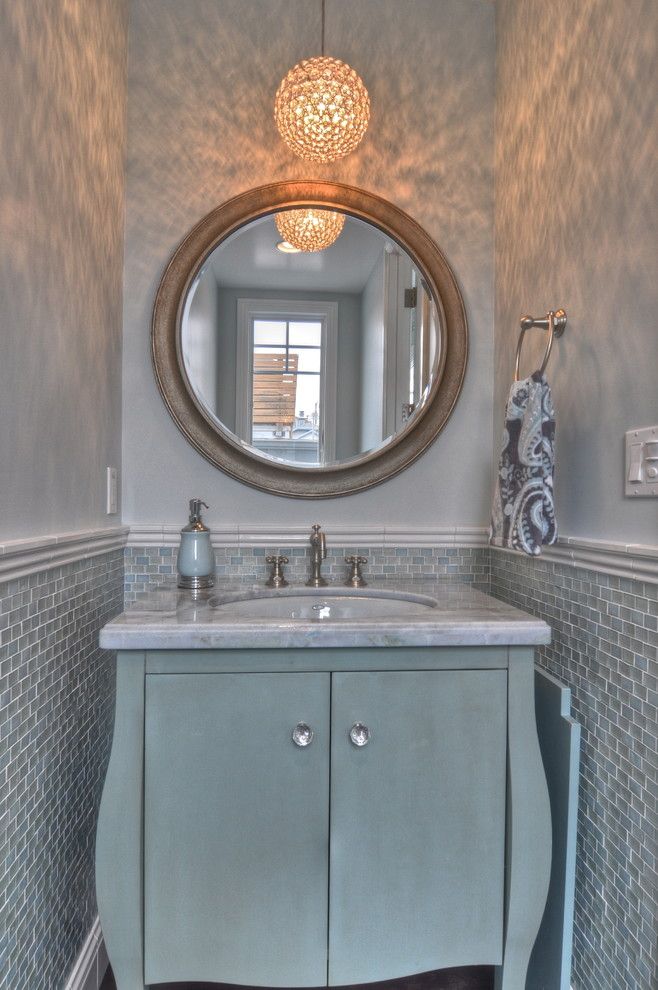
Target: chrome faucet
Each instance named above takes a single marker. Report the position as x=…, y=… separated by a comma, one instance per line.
x=318, y=554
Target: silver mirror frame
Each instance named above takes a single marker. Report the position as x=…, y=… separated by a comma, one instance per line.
x=221, y=447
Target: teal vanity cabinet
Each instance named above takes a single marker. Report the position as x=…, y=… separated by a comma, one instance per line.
x=322, y=817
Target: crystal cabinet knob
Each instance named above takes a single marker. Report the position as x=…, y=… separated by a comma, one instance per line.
x=302, y=734
x=360, y=734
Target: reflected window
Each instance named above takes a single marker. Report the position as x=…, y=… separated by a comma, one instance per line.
x=287, y=358
x=286, y=408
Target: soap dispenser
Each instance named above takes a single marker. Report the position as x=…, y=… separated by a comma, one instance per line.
x=196, y=559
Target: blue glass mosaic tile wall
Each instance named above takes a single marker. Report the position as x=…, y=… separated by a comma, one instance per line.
x=146, y=566
x=57, y=696
x=605, y=647
x=56, y=711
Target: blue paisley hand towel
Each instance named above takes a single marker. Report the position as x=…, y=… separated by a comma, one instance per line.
x=523, y=516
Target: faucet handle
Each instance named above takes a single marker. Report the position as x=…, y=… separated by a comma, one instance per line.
x=276, y=578
x=356, y=579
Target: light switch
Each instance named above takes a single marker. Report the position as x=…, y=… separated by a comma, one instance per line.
x=635, y=466
x=642, y=461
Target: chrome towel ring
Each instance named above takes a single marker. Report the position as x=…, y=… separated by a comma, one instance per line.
x=554, y=322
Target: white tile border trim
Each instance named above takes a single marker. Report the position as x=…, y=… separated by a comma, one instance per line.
x=20, y=558
x=89, y=968
x=167, y=535
x=633, y=561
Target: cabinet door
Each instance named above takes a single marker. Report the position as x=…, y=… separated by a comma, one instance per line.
x=236, y=829
x=417, y=823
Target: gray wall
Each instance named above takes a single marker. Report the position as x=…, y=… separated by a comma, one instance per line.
x=62, y=118
x=576, y=226
x=202, y=79
x=348, y=359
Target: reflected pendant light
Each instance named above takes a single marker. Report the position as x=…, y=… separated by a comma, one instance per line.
x=309, y=229
x=322, y=108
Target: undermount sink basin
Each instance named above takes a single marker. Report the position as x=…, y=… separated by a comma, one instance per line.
x=318, y=604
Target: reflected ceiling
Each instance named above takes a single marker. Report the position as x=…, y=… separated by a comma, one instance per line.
x=249, y=258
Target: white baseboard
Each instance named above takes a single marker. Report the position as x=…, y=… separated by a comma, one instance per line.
x=90, y=966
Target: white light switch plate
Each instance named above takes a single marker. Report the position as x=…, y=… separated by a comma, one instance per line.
x=641, y=471
x=112, y=487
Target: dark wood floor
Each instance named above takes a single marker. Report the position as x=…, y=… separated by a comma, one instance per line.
x=471, y=978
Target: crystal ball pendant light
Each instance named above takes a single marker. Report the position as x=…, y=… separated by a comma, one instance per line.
x=322, y=109
x=309, y=229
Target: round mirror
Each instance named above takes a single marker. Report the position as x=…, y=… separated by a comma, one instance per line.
x=309, y=339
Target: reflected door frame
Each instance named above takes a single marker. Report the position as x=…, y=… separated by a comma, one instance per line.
x=398, y=268
x=323, y=312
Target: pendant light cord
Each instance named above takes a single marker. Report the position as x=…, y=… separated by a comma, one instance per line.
x=322, y=52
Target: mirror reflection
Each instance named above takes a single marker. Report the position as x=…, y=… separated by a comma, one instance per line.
x=310, y=357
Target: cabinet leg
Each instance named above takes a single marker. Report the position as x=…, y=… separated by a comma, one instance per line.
x=119, y=833
x=529, y=840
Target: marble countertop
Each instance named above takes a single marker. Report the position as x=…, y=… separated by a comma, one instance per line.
x=168, y=618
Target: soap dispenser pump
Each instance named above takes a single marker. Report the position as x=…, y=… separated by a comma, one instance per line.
x=196, y=559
